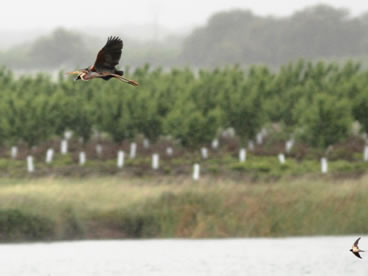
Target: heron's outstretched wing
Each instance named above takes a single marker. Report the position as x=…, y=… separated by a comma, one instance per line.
x=108, y=57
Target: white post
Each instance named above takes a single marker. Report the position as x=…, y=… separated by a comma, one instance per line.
x=133, y=150
x=324, y=165
x=251, y=145
x=146, y=143
x=49, y=155
x=155, y=161
x=231, y=132
x=67, y=134
x=204, y=152
x=264, y=132
x=196, y=171
x=99, y=149
x=242, y=155
x=282, y=158
x=365, y=153
x=14, y=152
x=169, y=151
x=259, y=138
x=120, y=159
x=82, y=158
x=30, y=165
x=64, y=146
x=215, y=143
x=289, y=145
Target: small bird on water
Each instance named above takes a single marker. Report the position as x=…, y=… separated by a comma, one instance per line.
x=104, y=67
x=355, y=249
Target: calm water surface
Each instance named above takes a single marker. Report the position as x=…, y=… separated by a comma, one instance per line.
x=291, y=256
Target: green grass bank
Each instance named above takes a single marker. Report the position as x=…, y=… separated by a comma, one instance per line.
x=170, y=207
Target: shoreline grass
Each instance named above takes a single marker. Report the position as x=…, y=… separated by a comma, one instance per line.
x=176, y=207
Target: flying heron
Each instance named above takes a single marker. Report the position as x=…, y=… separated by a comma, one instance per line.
x=104, y=67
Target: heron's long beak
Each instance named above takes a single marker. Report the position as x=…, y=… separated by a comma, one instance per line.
x=74, y=73
x=79, y=73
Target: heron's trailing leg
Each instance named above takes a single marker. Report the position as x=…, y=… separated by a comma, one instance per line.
x=131, y=82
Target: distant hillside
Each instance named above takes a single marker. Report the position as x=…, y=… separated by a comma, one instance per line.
x=241, y=37
x=67, y=49
x=233, y=37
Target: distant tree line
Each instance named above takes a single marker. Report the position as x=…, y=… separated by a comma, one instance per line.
x=64, y=49
x=241, y=37
x=233, y=37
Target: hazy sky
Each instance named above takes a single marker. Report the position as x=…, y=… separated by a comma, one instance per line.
x=172, y=14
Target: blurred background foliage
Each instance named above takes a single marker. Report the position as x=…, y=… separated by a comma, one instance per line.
x=231, y=37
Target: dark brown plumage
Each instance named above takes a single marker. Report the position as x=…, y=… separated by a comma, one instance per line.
x=108, y=57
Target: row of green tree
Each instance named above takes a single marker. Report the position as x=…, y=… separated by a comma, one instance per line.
x=315, y=102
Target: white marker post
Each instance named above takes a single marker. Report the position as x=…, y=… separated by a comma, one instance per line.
x=215, y=144
x=67, y=134
x=289, y=145
x=324, y=165
x=133, y=150
x=14, y=152
x=196, y=171
x=365, y=155
x=251, y=145
x=204, y=152
x=64, y=147
x=169, y=151
x=30, y=165
x=99, y=150
x=231, y=132
x=259, y=138
x=82, y=158
x=49, y=156
x=242, y=155
x=120, y=161
x=146, y=143
x=264, y=132
x=155, y=161
x=282, y=158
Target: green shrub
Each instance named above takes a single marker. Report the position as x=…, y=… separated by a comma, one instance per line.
x=325, y=119
x=16, y=225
